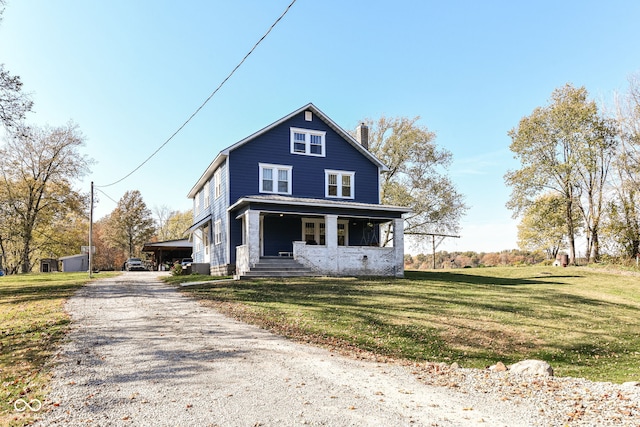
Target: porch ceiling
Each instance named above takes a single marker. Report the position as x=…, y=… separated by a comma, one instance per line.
x=298, y=205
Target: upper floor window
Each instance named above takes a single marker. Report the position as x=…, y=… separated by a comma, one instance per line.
x=206, y=194
x=275, y=179
x=308, y=142
x=217, y=183
x=217, y=232
x=339, y=184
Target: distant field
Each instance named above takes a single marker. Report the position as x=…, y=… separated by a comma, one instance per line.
x=585, y=323
x=32, y=324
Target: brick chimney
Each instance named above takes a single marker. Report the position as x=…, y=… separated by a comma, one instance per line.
x=362, y=135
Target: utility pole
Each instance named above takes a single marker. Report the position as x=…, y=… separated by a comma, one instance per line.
x=91, y=233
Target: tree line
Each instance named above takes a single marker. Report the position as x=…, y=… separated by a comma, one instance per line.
x=579, y=175
x=447, y=260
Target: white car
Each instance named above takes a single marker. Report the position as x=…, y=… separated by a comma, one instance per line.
x=133, y=264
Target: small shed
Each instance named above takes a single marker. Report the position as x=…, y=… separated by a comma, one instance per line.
x=48, y=265
x=78, y=262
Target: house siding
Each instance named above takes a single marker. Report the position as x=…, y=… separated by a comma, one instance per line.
x=217, y=210
x=280, y=233
x=308, y=174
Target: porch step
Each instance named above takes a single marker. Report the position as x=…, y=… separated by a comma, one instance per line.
x=278, y=266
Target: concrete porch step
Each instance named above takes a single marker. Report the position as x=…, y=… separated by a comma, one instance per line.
x=278, y=267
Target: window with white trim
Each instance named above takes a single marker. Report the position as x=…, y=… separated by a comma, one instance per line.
x=339, y=184
x=205, y=239
x=217, y=183
x=308, y=142
x=197, y=203
x=217, y=232
x=275, y=179
x=314, y=231
x=207, y=195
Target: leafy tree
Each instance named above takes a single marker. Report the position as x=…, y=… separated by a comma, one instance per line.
x=623, y=225
x=563, y=148
x=543, y=225
x=38, y=166
x=416, y=176
x=172, y=225
x=107, y=257
x=130, y=225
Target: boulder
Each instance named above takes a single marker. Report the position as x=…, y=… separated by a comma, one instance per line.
x=498, y=367
x=532, y=368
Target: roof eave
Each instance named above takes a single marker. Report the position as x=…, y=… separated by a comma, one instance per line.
x=220, y=158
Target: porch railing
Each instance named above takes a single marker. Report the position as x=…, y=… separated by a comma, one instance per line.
x=348, y=260
x=242, y=259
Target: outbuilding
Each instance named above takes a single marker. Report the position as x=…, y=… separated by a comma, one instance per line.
x=72, y=263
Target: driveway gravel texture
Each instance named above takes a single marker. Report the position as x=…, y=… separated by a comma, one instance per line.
x=140, y=353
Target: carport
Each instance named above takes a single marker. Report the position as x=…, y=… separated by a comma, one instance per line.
x=168, y=251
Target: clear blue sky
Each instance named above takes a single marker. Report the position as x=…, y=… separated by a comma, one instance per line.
x=129, y=73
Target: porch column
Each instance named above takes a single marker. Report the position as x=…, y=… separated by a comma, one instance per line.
x=253, y=236
x=331, y=237
x=398, y=246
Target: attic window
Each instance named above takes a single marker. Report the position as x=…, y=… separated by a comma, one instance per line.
x=307, y=142
x=308, y=116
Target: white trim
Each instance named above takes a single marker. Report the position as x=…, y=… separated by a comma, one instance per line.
x=339, y=175
x=317, y=234
x=274, y=178
x=217, y=183
x=316, y=230
x=308, y=133
x=207, y=195
x=331, y=203
x=217, y=232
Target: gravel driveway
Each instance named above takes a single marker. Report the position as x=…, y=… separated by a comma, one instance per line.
x=141, y=354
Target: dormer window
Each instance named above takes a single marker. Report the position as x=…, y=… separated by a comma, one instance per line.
x=307, y=142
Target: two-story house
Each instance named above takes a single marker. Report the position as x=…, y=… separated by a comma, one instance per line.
x=300, y=188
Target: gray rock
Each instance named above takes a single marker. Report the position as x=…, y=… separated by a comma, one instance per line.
x=532, y=368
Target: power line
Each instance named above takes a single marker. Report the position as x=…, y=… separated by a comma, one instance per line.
x=108, y=197
x=205, y=101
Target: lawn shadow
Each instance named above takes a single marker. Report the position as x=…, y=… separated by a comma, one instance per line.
x=457, y=278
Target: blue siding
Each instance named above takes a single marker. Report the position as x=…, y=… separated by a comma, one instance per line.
x=308, y=176
x=219, y=254
x=279, y=234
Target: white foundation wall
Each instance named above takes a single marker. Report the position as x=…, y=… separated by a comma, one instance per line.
x=349, y=260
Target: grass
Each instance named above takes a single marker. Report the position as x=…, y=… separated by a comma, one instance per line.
x=32, y=324
x=585, y=323
x=193, y=278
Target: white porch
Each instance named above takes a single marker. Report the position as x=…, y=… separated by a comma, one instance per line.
x=330, y=258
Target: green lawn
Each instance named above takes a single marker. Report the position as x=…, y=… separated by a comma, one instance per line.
x=585, y=323
x=32, y=324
